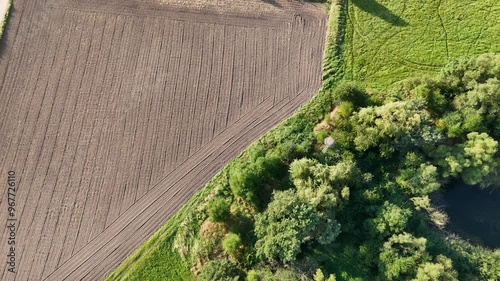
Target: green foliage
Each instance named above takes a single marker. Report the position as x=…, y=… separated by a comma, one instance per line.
x=285, y=274
x=400, y=255
x=250, y=180
x=391, y=219
x=332, y=277
x=467, y=73
x=441, y=270
x=320, y=184
x=318, y=275
x=321, y=136
x=383, y=126
x=429, y=90
x=218, y=210
x=252, y=275
x=419, y=181
x=232, y=244
x=351, y=93
x=473, y=160
x=186, y=235
x=489, y=264
x=219, y=270
x=283, y=227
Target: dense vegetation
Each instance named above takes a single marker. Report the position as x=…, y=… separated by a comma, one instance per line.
x=283, y=210
x=283, y=201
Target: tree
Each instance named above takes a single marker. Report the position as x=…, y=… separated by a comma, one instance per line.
x=391, y=219
x=324, y=187
x=244, y=182
x=400, y=256
x=462, y=75
x=232, y=244
x=321, y=185
x=281, y=229
x=477, y=110
x=419, y=181
x=440, y=270
x=287, y=274
x=218, y=210
x=219, y=270
x=247, y=179
x=318, y=275
x=473, y=160
x=383, y=126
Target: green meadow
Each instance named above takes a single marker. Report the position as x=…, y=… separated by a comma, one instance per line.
x=387, y=41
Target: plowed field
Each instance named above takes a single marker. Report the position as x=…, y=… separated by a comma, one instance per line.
x=114, y=113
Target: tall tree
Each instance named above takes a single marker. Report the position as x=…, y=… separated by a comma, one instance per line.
x=281, y=229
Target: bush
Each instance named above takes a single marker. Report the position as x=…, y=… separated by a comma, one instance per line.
x=252, y=276
x=351, y=92
x=232, y=245
x=219, y=270
x=218, y=210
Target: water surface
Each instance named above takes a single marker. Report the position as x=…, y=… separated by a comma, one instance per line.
x=474, y=213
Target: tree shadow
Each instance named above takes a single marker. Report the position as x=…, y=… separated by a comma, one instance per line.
x=376, y=9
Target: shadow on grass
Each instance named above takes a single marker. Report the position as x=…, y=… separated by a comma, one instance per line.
x=376, y=9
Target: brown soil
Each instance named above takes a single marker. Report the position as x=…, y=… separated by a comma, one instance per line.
x=115, y=112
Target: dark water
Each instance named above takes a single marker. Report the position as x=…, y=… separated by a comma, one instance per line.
x=474, y=213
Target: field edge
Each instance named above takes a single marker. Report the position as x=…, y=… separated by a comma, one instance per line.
x=331, y=61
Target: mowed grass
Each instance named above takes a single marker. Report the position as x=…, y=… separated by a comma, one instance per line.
x=390, y=40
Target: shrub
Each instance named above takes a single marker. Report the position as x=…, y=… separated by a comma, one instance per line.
x=219, y=270
x=218, y=210
x=232, y=245
x=252, y=276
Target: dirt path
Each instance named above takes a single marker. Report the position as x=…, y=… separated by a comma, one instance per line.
x=116, y=112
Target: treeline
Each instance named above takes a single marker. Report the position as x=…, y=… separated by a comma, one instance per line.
x=283, y=202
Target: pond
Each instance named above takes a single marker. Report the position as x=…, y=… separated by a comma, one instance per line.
x=474, y=213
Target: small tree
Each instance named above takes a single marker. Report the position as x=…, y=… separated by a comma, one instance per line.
x=440, y=270
x=473, y=160
x=252, y=275
x=220, y=270
x=218, y=210
x=400, y=255
x=282, y=228
x=391, y=219
x=232, y=245
x=319, y=276
x=419, y=181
